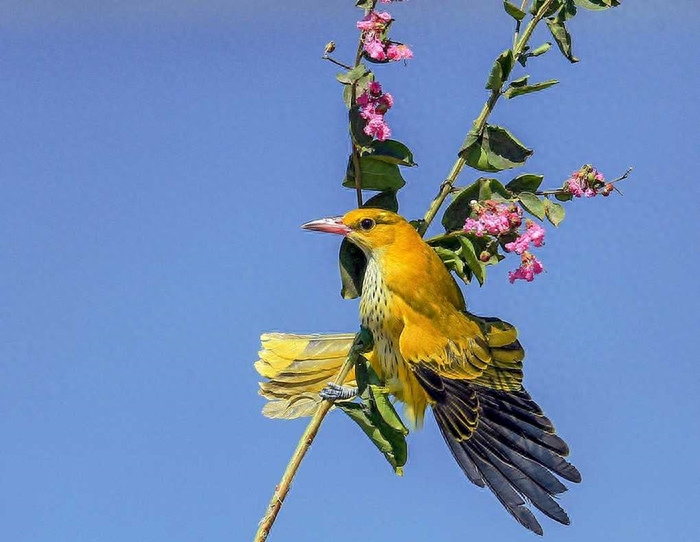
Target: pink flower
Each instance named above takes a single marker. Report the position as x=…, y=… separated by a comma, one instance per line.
x=398, y=51
x=587, y=181
x=376, y=127
x=494, y=218
x=534, y=233
x=373, y=106
x=374, y=20
x=529, y=267
x=573, y=186
x=475, y=227
x=520, y=245
x=375, y=49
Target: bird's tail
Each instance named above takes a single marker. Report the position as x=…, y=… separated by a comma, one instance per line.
x=297, y=367
x=504, y=441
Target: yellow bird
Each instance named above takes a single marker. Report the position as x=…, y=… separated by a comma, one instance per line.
x=429, y=351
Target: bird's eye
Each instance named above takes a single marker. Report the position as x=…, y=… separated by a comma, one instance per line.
x=367, y=224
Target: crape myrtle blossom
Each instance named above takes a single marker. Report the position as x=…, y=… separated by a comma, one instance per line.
x=375, y=44
x=373, y=106
x=529, y=267
x=504, y=219
x=587, y=182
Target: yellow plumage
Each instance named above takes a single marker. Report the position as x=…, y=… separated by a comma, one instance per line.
x=428, y=350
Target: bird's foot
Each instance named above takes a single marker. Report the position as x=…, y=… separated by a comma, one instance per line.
x=336, y=392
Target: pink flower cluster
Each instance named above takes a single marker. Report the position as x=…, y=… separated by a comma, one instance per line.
x=534, y=233
x=374, y=26
x=587, y=181
x=529, y=267
x=497, y=219
x=373, y=106
x=493, y=218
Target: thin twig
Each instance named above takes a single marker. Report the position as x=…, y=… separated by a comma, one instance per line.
x=480, y=123
x=358, y=347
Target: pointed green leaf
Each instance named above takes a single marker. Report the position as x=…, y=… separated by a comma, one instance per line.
x=392, y=446
x=532, y=204
x=352, y=263
x=542, y=49
x=564, y=196
x=357, y=126
x=374, y=175
x=561, y=35
x=384, y=200
x=386, y=410
x=494, y=150
x=554, y=211
x=527, y=182
x=468, y=254
x=500, y=71
x=351, y=76
x=393, y=152
x=527, y=89
x=596, y=5
x=551, y=10
x=454, y=263
x=513, y=10
x=459, y=208
x=520, y=82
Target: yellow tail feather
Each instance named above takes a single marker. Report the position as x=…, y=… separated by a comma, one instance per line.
x=297, y=368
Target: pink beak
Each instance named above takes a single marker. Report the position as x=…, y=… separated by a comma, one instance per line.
x=328, y=225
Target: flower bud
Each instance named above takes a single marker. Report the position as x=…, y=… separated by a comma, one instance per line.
x=485, y=256
x=607, y=190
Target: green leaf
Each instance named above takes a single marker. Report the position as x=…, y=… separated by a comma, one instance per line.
x=351, y=76
x=542, y=49
x=353, y=263
x=561, y=35
x=527, y=89
x=500, y=70
x=393, y=152
x=532, y=204
x=357, y=126
x=494, y=150
x=527, y=182
x=384, y=200
x=391, y=443
x=374, y=175
x=554, y=211
x=496, y=190
x=361, y=85
x=520, y=82
x=514, y=11
x=551, y=10
x=454, y=263
x=597, y=5
x=469, y=255
x=364, y=4
x=459, y=208
x=564, y=196
x=385, y=409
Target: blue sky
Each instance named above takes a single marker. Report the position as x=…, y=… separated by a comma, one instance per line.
x=156, y=160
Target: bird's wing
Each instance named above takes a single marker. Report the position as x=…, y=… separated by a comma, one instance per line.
x=505, y=372
x=463, y=346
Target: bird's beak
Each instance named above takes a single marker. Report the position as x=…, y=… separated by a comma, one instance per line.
x=328, y=225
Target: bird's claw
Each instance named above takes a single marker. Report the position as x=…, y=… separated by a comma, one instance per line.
x=336, y=392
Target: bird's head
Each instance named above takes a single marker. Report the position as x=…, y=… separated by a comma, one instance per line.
x=370, y=229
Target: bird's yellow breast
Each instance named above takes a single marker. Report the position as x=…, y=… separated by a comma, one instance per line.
x=378, y=313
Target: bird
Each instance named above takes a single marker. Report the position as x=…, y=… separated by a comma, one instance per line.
x=430, y=352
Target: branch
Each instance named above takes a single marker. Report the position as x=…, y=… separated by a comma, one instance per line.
x=360, y=345
x=480, y=122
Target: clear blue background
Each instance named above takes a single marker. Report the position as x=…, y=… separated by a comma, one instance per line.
x=156, y=160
